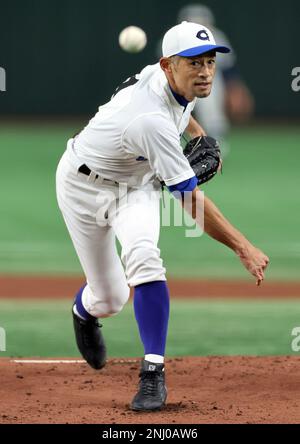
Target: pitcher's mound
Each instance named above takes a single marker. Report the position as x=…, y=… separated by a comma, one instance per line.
x=201, y=390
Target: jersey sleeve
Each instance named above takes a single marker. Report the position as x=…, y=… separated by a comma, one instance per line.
x=155, y=138
x=183, y=187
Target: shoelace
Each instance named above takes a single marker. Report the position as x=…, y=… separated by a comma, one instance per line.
x=149, y=382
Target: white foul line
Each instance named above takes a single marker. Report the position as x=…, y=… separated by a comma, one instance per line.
x=70, y=361
x=48, y=361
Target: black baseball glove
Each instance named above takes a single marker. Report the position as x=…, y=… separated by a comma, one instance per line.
x=203, y=154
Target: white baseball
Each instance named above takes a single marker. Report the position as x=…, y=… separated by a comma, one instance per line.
x=132, y=39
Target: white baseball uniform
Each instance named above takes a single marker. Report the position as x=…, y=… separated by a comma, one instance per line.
x=130, y=145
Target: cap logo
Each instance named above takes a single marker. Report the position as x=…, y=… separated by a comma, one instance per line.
x=202, y=35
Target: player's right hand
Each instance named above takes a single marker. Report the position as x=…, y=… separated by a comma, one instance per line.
x=255, y=261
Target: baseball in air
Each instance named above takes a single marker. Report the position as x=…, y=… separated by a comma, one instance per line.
x=133, y=39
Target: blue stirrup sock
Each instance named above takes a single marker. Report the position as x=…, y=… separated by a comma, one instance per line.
x=79, y=308
x=151, y=308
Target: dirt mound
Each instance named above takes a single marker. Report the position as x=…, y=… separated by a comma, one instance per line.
x=201, y=390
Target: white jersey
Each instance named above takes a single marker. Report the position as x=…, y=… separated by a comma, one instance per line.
x=135, y=137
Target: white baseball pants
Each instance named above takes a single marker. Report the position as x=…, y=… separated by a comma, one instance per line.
x=95, y=213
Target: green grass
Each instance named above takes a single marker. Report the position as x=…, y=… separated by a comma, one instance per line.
x=196, y=328
x=258, y=192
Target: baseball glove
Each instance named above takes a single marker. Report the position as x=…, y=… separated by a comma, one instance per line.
x=203, y=154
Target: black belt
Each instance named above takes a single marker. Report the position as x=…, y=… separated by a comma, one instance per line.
x=84, y=169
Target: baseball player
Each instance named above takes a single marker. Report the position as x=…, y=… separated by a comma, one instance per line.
x=109, y=185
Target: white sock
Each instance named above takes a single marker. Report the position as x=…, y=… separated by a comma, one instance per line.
x=156, y=359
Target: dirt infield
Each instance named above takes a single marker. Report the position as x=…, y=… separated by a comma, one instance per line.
x=201, y=390
x=48, y=287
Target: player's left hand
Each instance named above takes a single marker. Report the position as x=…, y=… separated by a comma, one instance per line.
x=204, y=156
x=255, y=261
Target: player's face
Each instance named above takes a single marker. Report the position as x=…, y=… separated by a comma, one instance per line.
x=193, y=76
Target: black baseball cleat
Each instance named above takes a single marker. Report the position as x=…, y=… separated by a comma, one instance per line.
x=90, y=341
x=152, y=392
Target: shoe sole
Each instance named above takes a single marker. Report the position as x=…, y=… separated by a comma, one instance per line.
x=137, y=409
x=157, y=409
